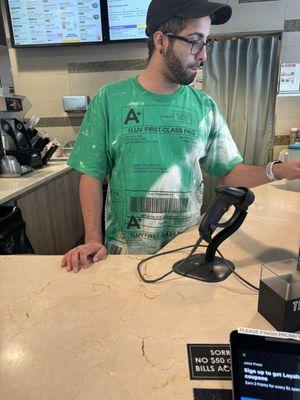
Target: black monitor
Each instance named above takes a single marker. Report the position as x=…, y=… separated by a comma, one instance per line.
x=2, y=32
x=127, y=19
x=54, y=22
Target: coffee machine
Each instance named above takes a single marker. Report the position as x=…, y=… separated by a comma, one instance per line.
x=19, y=140
x=17, y=143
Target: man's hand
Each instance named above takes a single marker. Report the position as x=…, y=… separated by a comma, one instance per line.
x=287, y=170
x=82, y=256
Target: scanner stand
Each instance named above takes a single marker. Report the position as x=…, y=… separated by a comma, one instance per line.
x=207, y=267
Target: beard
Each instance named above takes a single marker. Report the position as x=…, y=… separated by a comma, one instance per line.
x=178, y=72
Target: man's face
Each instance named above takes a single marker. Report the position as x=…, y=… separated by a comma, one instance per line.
x=181, y=65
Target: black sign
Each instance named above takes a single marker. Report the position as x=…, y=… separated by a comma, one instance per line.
x=2, y=32
x=212, y=394
x=209, y=361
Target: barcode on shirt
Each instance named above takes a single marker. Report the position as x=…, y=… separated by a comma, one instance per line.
x=158, y=205
x=113, y=249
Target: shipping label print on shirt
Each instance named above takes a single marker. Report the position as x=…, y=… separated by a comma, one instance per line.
x=156, y=119
x=156, y=216
x=159, y=170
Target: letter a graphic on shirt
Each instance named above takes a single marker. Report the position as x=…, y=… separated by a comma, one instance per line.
x=133, y=222
x=131, y=116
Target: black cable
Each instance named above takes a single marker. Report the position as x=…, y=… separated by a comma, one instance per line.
x=194, y=248
x=236, y=274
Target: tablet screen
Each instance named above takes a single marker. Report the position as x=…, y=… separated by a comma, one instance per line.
x=266, y=375
x=266, y=369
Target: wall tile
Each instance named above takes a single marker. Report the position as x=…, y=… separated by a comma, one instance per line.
x=62, y=134
x=287, y=114
x=283, y=126
x=60, y=121
x=55, y=60
x=290, y=50
x=254, y=1
x=292, y=9
x=5, y=70
x=90, y=83
x=253, y=17
x=128, y=74
x=40, y=88
x=282, y=140
x=104, y=66
x=292, y=25
x=288, y=107
x=46, y=109
x=277, y=150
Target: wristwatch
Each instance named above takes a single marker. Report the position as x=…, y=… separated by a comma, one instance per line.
x=269, y=170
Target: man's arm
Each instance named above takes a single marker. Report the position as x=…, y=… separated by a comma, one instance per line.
x=91, y=200
x=255, y=175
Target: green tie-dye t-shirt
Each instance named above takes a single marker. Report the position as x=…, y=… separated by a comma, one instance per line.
x=149, y=147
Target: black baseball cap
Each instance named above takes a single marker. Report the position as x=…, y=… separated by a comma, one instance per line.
x=161, y=11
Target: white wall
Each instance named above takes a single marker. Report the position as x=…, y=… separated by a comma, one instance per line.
x=42, y=73
x=6, y=79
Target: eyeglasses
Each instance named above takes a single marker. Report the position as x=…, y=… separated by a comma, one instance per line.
x=197, y=45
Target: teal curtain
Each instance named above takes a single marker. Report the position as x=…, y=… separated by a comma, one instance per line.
x=241, y=76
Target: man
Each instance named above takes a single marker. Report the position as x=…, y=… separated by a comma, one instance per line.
x=149, y=134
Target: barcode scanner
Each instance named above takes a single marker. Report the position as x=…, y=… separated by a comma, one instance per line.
x=207, y=267
x=238, y=197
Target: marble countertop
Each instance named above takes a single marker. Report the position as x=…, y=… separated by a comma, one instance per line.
x=104, y=334
x=13, y=188
x=271, y=228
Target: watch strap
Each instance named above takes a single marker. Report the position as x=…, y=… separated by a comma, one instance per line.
x=269, y=170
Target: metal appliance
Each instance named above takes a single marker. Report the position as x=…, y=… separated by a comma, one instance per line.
x=17, y=143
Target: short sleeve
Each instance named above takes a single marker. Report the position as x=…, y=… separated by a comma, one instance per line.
x=89, y=155
x=222, y=154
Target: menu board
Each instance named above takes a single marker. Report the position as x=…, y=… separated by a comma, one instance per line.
x=127, y=19
x=52, y=22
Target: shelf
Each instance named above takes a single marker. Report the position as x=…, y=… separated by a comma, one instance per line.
x=288, y=94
